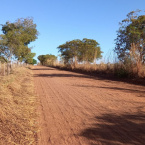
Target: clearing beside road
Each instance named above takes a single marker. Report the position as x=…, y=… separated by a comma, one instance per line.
x=77, y=109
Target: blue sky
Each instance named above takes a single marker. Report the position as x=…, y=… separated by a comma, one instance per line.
x=59, y=21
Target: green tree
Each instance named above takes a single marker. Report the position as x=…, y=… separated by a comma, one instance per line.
x=50, y=59
x=42, y=59
x=34, y=62
x=47, y=59
x=130, y=41
x=87, y=50
x=16, y=37
x=131, y=34
x=29, y=58
x=69, y=51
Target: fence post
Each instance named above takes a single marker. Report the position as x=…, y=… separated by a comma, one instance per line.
x=10, y=67
x=4, y=69
x=7, y=68
x=0, y=67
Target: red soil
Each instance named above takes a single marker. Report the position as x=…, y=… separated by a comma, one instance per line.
x=76, y=109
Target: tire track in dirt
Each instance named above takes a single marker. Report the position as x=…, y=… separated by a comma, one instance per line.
x=72, y=104
x=42, y=119
x=59, y=111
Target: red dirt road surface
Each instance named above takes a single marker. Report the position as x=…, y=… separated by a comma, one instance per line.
x=77, y=109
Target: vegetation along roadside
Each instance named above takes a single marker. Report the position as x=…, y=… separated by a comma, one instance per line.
x=18, y=106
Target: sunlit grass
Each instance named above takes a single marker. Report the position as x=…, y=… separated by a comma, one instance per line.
x=18, y=108
x=117, y=69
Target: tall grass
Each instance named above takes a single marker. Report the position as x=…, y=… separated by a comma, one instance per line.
x=121, y=70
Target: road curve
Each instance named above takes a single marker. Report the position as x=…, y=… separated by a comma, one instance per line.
x=76, y=109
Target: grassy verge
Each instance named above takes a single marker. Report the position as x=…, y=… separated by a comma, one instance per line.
x=18, y=109
x=117, y=69
x=115, y=72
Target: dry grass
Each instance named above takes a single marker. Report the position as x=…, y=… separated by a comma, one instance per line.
x=18, y=109
x=117, y=69
x=2, y=69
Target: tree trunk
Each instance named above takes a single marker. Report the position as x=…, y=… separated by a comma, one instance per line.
x=95, y=55
x=8, y=68
x=4, y=69
x=0, y=67
x=75, y=63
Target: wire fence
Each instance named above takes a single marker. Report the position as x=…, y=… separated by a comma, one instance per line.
x=7, y=68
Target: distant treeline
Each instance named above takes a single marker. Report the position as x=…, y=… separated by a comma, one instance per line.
x=72, y=52
x=130, y=48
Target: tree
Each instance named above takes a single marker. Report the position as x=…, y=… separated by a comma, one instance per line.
x=50, y=59
x=89, y=51
x=34, y=62
x=16, y=37
x=86, y=50
x=69, y=51
x=29, y=58
x=131, y=33
x=42, y=59
x=130, y=41
x=47, y=59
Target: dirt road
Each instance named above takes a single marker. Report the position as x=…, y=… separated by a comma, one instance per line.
x=76, y=109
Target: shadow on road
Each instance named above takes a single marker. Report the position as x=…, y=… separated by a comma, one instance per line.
x=133, y=90
x=61, y=75
x=43, y=68
x=96, y=76
x=140, y=93
x=117, y=129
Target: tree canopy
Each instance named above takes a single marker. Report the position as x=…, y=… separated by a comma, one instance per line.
x=47, y=59
x=29, y=58
x=16, y=37
x=86, y=50
x=130, y=41
x=34, y=61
